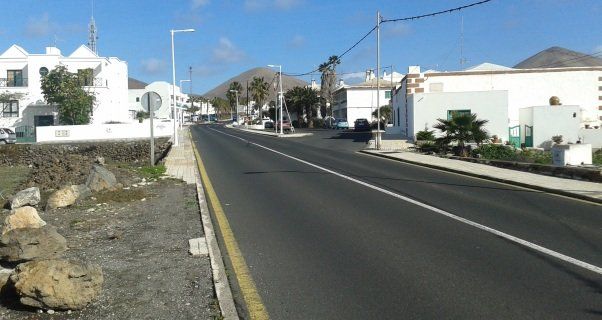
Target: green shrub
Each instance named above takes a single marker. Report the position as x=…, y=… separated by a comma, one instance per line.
x=495, y=152
x=425, y=135
x=535, y=156
x=429, y=146
x=597, y=157
x=149, y=172
x=318, y=123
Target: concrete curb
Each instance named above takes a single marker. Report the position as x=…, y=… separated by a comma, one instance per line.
x=272, y=134
x=486, y=177
x=220, y=279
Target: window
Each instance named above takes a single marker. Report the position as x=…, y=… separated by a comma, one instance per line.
x=451, y=113
x=86, y=77
x=388, y=94
x=137, y=99
x=14, y=78
x=10, y=109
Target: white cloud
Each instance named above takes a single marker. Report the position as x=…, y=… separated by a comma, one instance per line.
x=39, y=26
x=297, y=41
x=278, y=4
x=286, y=4
x=226, y=51
x=199, y=3
x=153, y=66
x=398, y=30
x=598, y=49
x=353, y=77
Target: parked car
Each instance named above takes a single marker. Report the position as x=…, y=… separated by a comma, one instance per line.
x=361, y=124
x=7, y=136
x=286, y=125
x=268, y=125
x=341, y=124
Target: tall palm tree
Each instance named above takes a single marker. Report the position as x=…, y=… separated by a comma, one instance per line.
x=259, y=91
x=303, y=101
x=328, y=79
x=234, y=86
x=462, y=128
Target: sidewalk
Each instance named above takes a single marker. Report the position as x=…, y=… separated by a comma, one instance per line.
x=180, y=162
x=590, y=191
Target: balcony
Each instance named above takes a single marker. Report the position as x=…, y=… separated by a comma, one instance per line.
x=13, y=83
x=95, y=82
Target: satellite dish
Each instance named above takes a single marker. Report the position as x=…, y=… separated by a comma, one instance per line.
x=152, y=98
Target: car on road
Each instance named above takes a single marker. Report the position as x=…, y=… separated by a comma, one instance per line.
x=341, y=124
x=7, y=136
x=286, y=125
x=361, y=124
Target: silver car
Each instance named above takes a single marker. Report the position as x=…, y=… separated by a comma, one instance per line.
x=7, y=136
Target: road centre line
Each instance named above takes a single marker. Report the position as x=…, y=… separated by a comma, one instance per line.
x=493, y=231
x=255, y=306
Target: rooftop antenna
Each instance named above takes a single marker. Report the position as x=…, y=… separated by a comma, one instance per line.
x=92, y=36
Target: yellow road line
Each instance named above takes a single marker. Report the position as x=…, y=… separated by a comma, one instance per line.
x=255, y=306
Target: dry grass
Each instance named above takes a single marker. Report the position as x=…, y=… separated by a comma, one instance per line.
x=10, y=179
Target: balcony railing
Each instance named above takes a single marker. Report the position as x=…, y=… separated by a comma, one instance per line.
x=17, y=82
x=96, y=82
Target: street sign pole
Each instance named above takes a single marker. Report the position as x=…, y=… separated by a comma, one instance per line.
x=152, y=131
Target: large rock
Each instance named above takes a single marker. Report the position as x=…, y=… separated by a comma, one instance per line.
x=27, y=244
x=23, y=217
x=29, y=196
x=57, y=284
x=4, y=275
x=63, y=197
x=100, y=179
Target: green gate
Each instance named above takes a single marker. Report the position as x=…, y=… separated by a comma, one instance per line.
x=25, y=134
x=528, y=136
x=514, y=133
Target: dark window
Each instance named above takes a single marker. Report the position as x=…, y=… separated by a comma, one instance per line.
x=451, y=113
x=388, y=94
x=86, y=77
x=14, y=78
x=10, y=109
x=137, y=99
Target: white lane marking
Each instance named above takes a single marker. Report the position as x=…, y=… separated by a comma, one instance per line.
x=496, y=232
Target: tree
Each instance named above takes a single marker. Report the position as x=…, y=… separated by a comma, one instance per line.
x=64, y=90
x=220, y=106
x=303, y=101
x=385, y=114
x=462, y=128
x=235, y=86
x=259, y=92
x=328, y=80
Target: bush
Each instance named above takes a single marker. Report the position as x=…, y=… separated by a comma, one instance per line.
x=495, y=152
x=425, y=135
x=535, y=156
x=429, y=146
x=597, y=157
x=318, y=123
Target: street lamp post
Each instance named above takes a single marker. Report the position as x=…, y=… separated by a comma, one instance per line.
x=279, y=94
x=181, y=117
x=173, y=89
x=236, y=93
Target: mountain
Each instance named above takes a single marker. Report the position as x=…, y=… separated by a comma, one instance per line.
x=557, y=57
x=269, y=75
x=136, y=84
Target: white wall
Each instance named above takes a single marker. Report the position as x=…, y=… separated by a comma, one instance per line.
x=549, y=121
x=426, y=108
x=592, y=136
x=103, y=131
x=361, y=102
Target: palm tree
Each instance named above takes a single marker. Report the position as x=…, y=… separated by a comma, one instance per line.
x=462, y=128
x=234, y=86
x=303, y=101
x=259, y=92
x=328, y=78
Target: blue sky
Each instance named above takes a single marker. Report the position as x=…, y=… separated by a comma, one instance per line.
x=234, y=36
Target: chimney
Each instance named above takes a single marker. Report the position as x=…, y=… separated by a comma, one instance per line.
x=369, y=75
x=384, y=74
x=341, y=82
x=313, y=84
x=53, y=51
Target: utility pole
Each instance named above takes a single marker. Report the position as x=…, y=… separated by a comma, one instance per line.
x=377, y=138
x=190, y=80
x=247, y=98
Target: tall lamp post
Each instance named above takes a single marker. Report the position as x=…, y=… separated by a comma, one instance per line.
x=279, y=94
x=173, y=89
x=181, y=117
x=236, y=93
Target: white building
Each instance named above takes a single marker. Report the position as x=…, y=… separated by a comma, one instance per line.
x=438, y=93
x=165, y=91
x=352, y=102
x=21, y=73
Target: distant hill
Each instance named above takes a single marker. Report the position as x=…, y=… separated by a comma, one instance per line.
x=136, y=84
x=267, y=74
x=557, y=57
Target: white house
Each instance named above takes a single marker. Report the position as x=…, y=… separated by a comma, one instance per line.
x=577, y=86
x=165, y=91
x=359, y=101
x=21, y=73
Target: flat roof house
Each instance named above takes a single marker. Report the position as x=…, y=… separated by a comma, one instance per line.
x=21, y=73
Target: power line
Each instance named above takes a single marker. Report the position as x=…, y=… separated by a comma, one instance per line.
x=435, y=13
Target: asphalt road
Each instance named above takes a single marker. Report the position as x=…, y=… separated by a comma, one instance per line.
x=323, y=247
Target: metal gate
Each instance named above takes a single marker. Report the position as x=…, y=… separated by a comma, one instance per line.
x=528, y=136
x=25, y=134
x=514, y=136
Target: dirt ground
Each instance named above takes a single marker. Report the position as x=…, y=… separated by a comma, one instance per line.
x=139, y=236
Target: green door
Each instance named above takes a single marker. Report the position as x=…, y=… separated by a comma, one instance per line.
x=528, y=136
x=25, y=134
x=514, y=136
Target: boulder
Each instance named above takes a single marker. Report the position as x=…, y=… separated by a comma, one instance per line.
x=100, y=179
x=23, y=217
x=29, y=196
x=57, y=284
x=27, y=244
x=63, y=197
x=82, y=191
x=4, y=275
